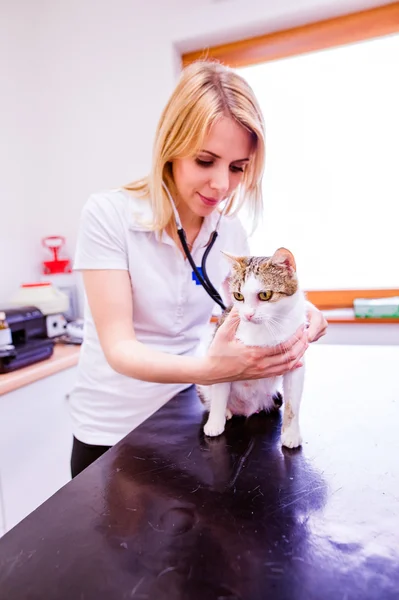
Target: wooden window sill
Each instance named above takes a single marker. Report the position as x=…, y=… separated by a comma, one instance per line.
x=63, y=357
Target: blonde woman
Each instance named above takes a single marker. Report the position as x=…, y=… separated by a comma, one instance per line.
x=145, y=314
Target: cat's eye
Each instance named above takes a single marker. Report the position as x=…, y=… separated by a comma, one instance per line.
x=238, y=296
x=264, y=296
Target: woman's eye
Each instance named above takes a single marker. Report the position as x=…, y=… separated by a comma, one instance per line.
x=264, y=296
x=238, y=296
x=209, y=163
x=204, y=163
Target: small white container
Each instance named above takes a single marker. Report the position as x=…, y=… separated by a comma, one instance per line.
x=43, y=295
x=67, y=283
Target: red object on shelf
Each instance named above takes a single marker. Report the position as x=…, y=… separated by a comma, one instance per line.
x=50, y=267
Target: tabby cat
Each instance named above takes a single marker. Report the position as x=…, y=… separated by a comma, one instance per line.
x=271, y=308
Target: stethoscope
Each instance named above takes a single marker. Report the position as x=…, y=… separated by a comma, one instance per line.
x=202, y=277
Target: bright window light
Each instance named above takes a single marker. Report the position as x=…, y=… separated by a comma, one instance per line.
x=331, y=185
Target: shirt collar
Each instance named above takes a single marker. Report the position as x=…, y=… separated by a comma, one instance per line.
x=141, y=216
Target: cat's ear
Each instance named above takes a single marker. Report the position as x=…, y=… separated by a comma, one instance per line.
x=235, y=261
x=285, y=258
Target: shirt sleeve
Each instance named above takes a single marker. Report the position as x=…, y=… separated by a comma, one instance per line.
x=101, y=242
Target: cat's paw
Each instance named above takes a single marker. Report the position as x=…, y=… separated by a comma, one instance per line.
x=291, y=438
x=229, y=414
x=213, y=428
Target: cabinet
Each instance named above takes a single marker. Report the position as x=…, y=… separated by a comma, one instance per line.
x=35, y=445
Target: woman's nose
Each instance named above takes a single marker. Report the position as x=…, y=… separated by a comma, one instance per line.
x=220, y=181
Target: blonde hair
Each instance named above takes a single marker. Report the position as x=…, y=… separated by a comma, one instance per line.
x=205, y=92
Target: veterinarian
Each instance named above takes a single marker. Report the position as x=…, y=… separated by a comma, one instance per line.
x=145, y=313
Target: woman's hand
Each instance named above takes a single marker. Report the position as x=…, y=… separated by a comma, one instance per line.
x=230, y=360
x=317, y=323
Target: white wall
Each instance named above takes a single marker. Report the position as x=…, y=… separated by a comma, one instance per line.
x=86, y=81
x=85, y=87
x=21, y=142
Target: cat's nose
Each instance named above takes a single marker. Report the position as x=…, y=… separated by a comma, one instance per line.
x=249, y=316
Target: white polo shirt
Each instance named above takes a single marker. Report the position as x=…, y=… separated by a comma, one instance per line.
x=171, y=312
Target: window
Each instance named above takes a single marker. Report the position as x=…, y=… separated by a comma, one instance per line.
x=331, y=185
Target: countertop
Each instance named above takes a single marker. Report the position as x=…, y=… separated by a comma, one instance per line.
x=170, y=514
x=63, y=357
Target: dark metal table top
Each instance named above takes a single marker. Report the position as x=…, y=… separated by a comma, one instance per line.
x=169, y=514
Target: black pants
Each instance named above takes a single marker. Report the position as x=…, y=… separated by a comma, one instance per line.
x=83, y=455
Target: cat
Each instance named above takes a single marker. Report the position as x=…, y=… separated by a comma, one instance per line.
x=271, y=308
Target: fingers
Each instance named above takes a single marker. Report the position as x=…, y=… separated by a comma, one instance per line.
x=274, y=367
x=229, y=326
x=284, y=369
x=287, y=346
x=282, y=366
x=287, y=350
x=296, y=351
x=317, y=330
x=286, y=360
x=317, y=324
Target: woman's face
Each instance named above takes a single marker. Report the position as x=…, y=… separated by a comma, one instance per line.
x=211, y=176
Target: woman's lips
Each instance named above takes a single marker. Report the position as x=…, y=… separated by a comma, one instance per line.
x=208, y=201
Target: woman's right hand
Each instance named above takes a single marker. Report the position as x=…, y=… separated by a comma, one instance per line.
x=230, y=360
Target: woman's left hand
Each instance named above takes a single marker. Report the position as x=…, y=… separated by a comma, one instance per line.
x=317, y=323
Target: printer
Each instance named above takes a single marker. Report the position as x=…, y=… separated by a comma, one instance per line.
x=30, y=343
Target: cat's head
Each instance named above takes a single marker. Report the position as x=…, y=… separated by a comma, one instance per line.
x=263, y=288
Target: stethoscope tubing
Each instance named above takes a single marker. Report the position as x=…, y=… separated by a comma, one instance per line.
x=203, y=279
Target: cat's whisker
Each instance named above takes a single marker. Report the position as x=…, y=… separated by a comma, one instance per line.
x=275, y=322
x=273, y=327
x=272, y=333
x=282, y=344
x=297, y=338
x=277, y=329
x=280, y=319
